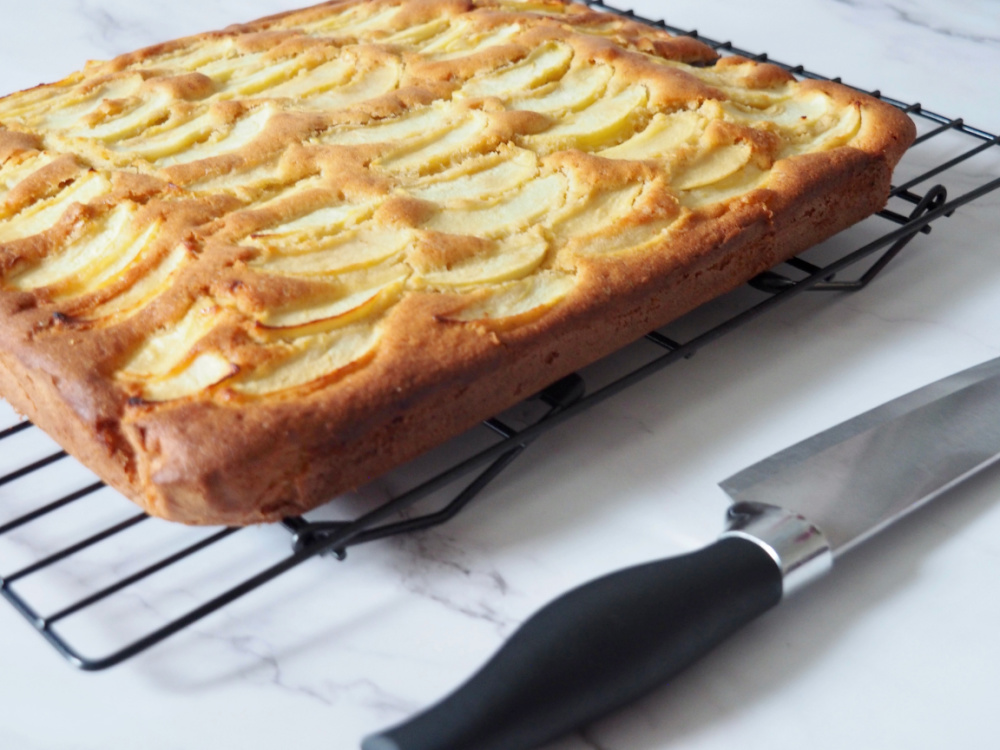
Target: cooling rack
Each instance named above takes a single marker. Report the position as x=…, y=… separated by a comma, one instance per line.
x=934, y=181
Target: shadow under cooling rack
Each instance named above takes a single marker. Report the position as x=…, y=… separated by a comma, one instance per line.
x=73, y=552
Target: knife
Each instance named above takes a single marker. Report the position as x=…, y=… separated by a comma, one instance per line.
x=616, y=638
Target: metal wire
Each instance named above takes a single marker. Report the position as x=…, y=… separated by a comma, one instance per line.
x=562, y=401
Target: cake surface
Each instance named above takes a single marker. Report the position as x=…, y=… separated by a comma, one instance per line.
x=245, y=271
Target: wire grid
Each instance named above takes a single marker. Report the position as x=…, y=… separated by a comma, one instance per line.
x=54, y=485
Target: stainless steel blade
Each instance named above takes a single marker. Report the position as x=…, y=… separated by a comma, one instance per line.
x=858, y=477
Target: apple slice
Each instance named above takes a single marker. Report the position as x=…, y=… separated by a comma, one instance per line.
x=795, y=114
x=347, y=251
x=62, y=105
x=13, y=171
x=513, y=257
x=419, y=123
x=595, y=211
x=738, y=183
x=177, y=134
x=608, y=120
x=508, y=214
x=25, y=106
x=464, y=137
x=545, y=63
x=223, y=69
x=359, y=18
x=712, y=166
x=336, y=72
x=417, y=35
x=245, y=184
x=260, y=76
x=192, y=57
x=110, y=245
x=478, y=178
x=366, y=302
x=308, y=229
x=183, y=147
x=841, y=130
x=580, y=87
x=146, y=288
x=369, y=84
x=660, y=138
x=132, y=122
x=201, y=373
x=311, y=358
x=165, y=353
x=525, y=297
x=106, y=269
x=44, y=214
x=462, y=40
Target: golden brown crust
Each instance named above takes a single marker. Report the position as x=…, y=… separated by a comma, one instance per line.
x=245, y=271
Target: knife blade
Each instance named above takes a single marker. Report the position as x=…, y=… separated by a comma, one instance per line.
x=610, y=641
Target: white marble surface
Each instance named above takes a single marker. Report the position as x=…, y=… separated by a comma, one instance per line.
x=896, y=649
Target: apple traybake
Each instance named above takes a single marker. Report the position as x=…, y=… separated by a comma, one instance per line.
x=245, y=271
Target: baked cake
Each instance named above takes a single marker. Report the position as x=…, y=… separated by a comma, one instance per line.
x=245, y=271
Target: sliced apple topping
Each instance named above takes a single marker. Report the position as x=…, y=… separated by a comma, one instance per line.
x=247, y=184
x=201, y=373
x=596, y=211
x=417, y=124
x=108, y=247
x=463, y=39
x=232, y=67
x=204, y=138
x=661, y=138
x=23, y=106
x=129, y=123
x=376, y=21
x=738, y=183
x=841, y=130
x=420, y=34
x=508, y=214
x=178, y=134
x=368, y=295
x=322, y=78
x=513, y=257
x=791, y=113
x=13, y=171
x=534, y=294
x=260, y=77
x=546, y=63
x=607, y=121
x=164, y=353
x=730, y=81
x=144, y=290
x=712, y=166
x=346, y=251
x=309, y=359
x=44, y=214
x=478, y=179
x=61, y=107
x=306, y=229
x=424, y=155
x=351, y=21
x=190, y=57
x=369, y=84
x=397, y=190
x=579, y=88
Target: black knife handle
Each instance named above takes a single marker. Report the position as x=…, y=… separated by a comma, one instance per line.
x=597, y=648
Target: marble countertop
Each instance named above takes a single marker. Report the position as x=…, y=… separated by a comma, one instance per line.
x=897, y=648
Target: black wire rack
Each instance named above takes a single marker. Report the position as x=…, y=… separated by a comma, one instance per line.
x=51, y=485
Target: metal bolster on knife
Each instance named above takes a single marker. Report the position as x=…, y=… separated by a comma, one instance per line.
x=797, y=546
